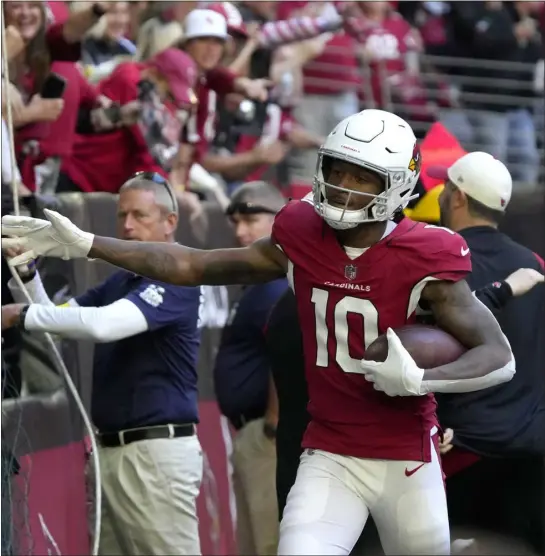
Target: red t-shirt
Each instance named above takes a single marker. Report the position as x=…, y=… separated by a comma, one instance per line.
x=336, y=70
x=388, y=43
x=77, y=94
x=343, y=306
x=278, y=125
x=103, y=162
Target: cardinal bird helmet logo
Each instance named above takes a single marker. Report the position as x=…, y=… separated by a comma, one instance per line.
x=416, y=160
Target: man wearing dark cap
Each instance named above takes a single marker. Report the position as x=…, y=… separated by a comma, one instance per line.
x=164, y=86
x=243, y=383
x=495, y=472
x=144, y=401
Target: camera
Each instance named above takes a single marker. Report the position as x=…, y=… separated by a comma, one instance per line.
x=248, y=119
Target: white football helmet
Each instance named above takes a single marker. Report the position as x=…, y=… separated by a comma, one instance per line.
x=378, y=141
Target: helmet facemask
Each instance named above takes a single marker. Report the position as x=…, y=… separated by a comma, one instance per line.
x=398, y=186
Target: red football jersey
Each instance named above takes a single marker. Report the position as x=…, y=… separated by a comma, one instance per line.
x=343, y=306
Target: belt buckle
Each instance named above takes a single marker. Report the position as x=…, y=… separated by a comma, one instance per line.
x=121, y=435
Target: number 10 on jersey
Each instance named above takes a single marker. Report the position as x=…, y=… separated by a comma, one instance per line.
x=340, y=328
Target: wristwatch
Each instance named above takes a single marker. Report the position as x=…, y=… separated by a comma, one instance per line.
x=98, y=10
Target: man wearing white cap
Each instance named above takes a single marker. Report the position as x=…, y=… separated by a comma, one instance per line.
x=205, y=35
x=495, y=473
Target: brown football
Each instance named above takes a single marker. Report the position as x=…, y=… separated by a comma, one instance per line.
x=429, y=346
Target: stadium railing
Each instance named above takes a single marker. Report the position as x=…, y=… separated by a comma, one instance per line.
x=441, y=81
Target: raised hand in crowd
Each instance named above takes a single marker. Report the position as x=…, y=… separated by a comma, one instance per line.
x=241, y=63
x=14, y=42
x=79, y=22
x=37, y=110
x=46, y=109
x=255, y=89
x=523, y=280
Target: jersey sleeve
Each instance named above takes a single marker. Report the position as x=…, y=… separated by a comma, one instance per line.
x=163, y=304
x=442, y=254
x=283, y=227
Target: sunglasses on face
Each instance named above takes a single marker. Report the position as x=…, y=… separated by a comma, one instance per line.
x=247, y=208
x=157, y=178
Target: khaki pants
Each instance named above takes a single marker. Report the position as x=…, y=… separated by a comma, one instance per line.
x=254, y=481
x=149, y=491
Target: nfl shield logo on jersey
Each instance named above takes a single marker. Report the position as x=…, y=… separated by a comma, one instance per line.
x=350, y=272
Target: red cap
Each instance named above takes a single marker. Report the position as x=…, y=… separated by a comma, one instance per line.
x=437, y=172
x=235, y=23
x=179, y=69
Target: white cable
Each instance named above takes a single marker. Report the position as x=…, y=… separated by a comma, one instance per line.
x=56, y=355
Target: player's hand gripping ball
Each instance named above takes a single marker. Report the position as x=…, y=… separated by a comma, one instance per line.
x=395, y=361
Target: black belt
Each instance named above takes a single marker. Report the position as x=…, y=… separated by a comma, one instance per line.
x=122, y=438
x=240, y=420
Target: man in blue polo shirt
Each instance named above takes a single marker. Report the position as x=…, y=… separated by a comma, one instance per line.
x=144, y=401
x=243, y=383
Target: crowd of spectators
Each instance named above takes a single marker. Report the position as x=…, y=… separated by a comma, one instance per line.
x=215, y=94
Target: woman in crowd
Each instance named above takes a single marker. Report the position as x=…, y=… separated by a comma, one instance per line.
x=45, y=128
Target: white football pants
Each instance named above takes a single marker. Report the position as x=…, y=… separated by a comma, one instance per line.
x=333, y=496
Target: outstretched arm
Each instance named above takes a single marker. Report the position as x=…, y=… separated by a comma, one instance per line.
x=489, y=359
x=169, y=262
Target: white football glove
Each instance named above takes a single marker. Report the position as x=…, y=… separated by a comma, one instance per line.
x=54, y=237
x=399, y=375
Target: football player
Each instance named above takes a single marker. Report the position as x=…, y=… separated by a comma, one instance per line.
x=372, y=444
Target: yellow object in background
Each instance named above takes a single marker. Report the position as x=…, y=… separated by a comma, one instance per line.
x=427, y=208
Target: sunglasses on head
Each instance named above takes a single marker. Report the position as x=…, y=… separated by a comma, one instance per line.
x=247, y=208
x=157, y=178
